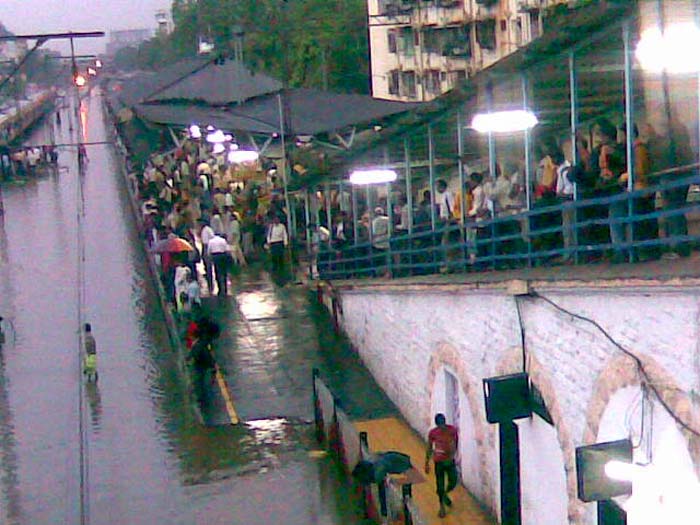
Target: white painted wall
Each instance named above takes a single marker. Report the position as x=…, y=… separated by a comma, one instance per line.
x=397, y=332
x=542, y=476
x=670, y=471
x=469, y=462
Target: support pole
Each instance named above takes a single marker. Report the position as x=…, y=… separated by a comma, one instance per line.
x=329, y=215
x=573, y=88
x=285, y=164
x=460, y=167
x=307, y=219
x=355, y=217
x=409, y=184
x=629, y=124
x=431, y=174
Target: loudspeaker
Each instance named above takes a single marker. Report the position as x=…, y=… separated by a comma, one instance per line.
x=593, y=483
x=507, y=398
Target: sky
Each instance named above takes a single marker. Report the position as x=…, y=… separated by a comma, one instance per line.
x=53, y=16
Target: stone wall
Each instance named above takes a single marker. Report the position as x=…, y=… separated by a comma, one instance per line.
x=406, y=335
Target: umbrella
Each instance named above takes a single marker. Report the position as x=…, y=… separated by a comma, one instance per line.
x=376, y=466
x=172, y=245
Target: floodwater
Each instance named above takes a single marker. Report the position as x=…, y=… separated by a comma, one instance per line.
x=146, y=457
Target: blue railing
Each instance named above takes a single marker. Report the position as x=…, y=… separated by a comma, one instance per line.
x=624, y=227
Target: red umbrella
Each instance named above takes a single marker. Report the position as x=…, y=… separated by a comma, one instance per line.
x=172, y=245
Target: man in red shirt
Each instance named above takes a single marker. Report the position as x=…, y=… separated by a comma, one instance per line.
x=442, y=447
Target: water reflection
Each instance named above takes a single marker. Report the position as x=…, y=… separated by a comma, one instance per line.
x=255, y=305
x=92, y=392
x=9, y=481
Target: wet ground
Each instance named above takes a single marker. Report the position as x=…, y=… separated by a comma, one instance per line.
x=148, y=460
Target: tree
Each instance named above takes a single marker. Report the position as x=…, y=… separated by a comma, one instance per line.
x=307, y=43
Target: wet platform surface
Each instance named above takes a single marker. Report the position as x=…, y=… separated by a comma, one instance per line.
x=148, y=458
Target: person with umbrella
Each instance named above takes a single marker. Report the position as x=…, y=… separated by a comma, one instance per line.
x=168, y=248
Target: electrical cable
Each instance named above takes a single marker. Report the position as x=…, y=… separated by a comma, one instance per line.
x=522, y=333
x=638, y=362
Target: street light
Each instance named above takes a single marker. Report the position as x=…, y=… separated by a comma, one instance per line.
x=79, y=80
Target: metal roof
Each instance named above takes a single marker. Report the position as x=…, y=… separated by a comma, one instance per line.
x=218, y=82
x=311, y=112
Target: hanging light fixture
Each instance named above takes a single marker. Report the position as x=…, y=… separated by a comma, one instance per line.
x=372, y=176
x=670, y=50
x=241, y=156
x=504, y=121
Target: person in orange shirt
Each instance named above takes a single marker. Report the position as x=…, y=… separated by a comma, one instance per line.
x=647, y=229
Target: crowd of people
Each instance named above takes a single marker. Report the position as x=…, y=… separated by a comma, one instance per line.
x=558, y=231
x=23, y=161
x=226, y=214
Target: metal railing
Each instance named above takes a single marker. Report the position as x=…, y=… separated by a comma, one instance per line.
x=623, y=227
x=385, y=502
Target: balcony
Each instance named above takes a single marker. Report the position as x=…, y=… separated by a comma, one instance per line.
x=526, y=6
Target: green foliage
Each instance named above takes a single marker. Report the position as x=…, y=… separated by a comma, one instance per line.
x=310, y=43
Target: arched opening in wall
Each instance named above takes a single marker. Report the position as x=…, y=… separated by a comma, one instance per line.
x=449, y=398
x=665, y=488
x=543, y=489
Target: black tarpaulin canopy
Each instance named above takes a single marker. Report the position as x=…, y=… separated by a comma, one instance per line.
x=310, y=112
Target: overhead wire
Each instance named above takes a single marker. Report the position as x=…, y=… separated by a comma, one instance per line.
x=647, y=379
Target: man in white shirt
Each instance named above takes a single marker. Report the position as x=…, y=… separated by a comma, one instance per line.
x=217, y=249
x=205, y=235
x=445, y=201
x=565, y=192
x=277, y=240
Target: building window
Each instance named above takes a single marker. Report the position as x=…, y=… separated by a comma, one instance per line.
x=391, y=40
x=408, y=84
x=431, y=40
x=456, y=41
x=431, y=82
x=517, y=32
x=458, y=76
x=393, y=82
x=486, y=33
x=534, y=24
x=407, y=45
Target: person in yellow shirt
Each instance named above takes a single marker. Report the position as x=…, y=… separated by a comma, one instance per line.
x=647, y=229
x=457, y=209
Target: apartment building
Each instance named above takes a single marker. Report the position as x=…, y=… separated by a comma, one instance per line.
x=422, y=48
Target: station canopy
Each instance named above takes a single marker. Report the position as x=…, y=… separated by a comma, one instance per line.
x=228, y=95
